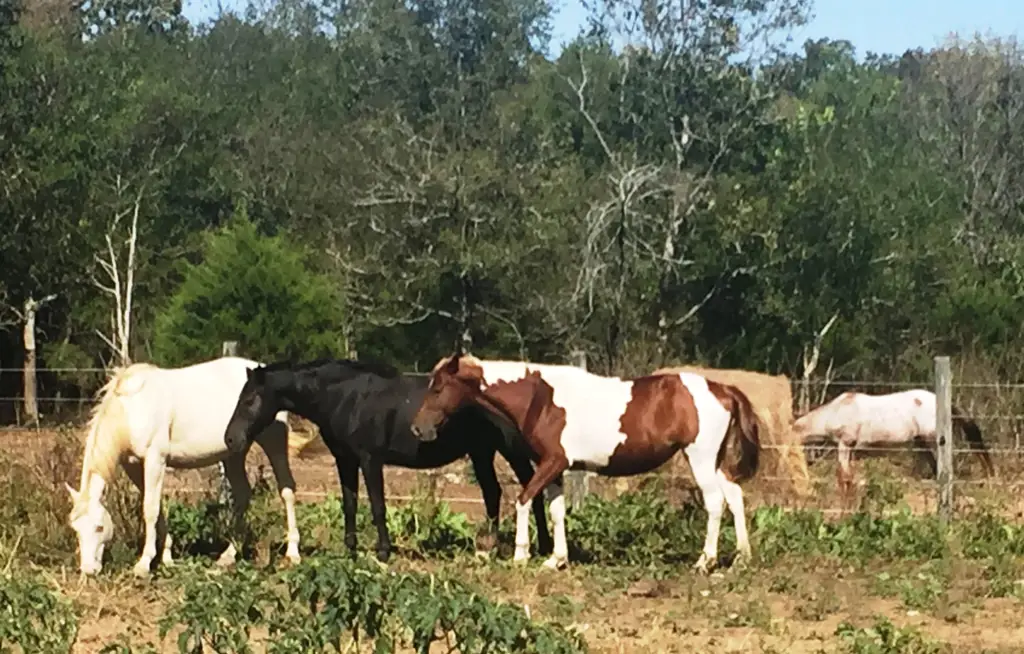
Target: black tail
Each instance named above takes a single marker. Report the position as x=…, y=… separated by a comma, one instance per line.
x=740, y=452
x=973, y=435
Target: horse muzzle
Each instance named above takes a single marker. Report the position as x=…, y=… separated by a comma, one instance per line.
x=425, y=435
x=234, y=440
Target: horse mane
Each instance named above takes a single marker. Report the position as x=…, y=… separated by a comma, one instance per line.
x=468, y=358
x=368, y=365
x=104, y=443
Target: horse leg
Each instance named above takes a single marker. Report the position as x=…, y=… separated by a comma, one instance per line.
x=926, y=448
x=523, y=470
x=844, y=472
x=547, y=471
x=348, y=475
x=135, y=474
x=154, y=467
x=373, y=475
x=734, y=499
x=483, y=469
x=241, y=495
x=277, y=452
x=556, y=502
x=702, y=464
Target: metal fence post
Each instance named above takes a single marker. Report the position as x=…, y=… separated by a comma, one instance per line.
x=944, y=435
x=577, y=482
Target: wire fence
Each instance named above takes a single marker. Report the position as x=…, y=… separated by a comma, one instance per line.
x=996, y=406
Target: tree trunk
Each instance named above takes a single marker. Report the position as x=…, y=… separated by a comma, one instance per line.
x=29, y=397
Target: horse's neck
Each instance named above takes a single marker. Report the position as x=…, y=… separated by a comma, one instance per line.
x=103, y=450
x=309, y=398
x=93, y=485
x=502, y=400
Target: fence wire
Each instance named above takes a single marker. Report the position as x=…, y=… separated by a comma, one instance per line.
x=1002, y=414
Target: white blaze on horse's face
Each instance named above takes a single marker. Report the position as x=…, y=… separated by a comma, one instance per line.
x=94, y=528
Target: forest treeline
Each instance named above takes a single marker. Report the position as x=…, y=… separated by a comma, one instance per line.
x=386, y=178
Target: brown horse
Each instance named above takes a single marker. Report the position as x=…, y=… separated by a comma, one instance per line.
x=572, y=419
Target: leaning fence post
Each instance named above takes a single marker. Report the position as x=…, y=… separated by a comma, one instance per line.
x=577, y=482
x=944, y=435
x=229, y=349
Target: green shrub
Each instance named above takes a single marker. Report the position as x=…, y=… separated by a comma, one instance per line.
x=34, y=618
x=325, y=602
x=253, y=289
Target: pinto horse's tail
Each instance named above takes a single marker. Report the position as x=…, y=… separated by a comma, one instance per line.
x=739, y=455
x=973, y=435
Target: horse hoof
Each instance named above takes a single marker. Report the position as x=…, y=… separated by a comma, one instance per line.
x=702, y=566
x=482, y=554
x=141, y=570
x=521, y=556
x=556, y=563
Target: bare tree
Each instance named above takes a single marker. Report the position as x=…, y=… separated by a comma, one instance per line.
x=972, y=111
x=119, y=267
x=810, y=364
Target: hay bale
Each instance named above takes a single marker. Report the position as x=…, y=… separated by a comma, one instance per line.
x=302, y=434
x=772, y=399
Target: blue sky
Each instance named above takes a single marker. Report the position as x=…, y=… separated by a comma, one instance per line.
x=883, y=26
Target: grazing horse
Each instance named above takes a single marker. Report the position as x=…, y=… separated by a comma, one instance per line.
x=573, y=419
x=150, y=418
x=364, y=412
x=857, y=421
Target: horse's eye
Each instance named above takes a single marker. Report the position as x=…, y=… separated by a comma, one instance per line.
x=99, y=529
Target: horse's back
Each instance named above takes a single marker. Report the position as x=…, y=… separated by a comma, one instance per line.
x=892, y=417
x=202, y=398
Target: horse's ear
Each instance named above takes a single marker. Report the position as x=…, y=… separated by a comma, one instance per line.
x=74, y=493
x=257, y=374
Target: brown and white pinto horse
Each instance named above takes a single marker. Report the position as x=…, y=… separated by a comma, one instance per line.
x=570, y=418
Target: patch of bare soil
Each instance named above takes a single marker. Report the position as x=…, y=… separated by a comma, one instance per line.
x=624, y=612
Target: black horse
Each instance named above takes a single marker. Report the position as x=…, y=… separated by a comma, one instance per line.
x=364, y=412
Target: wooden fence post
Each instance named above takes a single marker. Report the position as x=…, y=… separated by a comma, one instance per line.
x=577, y=482
x=944, y=435
x=227, y=349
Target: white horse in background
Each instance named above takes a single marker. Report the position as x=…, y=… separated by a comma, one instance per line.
x=150, y=418
x=858, y=421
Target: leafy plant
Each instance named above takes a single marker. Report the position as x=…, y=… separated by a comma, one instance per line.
x=431, y=527
x=637, y=528
x=34, y=618
x=883, y=637
x=218, y=610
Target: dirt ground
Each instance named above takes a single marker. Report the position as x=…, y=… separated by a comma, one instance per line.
x=792, y=608
x=786, y=610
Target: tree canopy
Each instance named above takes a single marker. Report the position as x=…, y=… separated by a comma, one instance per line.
x=673, y=185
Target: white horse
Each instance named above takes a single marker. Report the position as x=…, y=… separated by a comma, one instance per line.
x=150, y=418
x=858, y=421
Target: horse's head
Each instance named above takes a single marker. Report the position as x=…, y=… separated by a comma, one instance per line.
x=94, y=528
x=257, y=407
x=454, y=383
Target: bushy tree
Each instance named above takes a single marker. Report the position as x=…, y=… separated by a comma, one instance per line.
x=256, y=290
